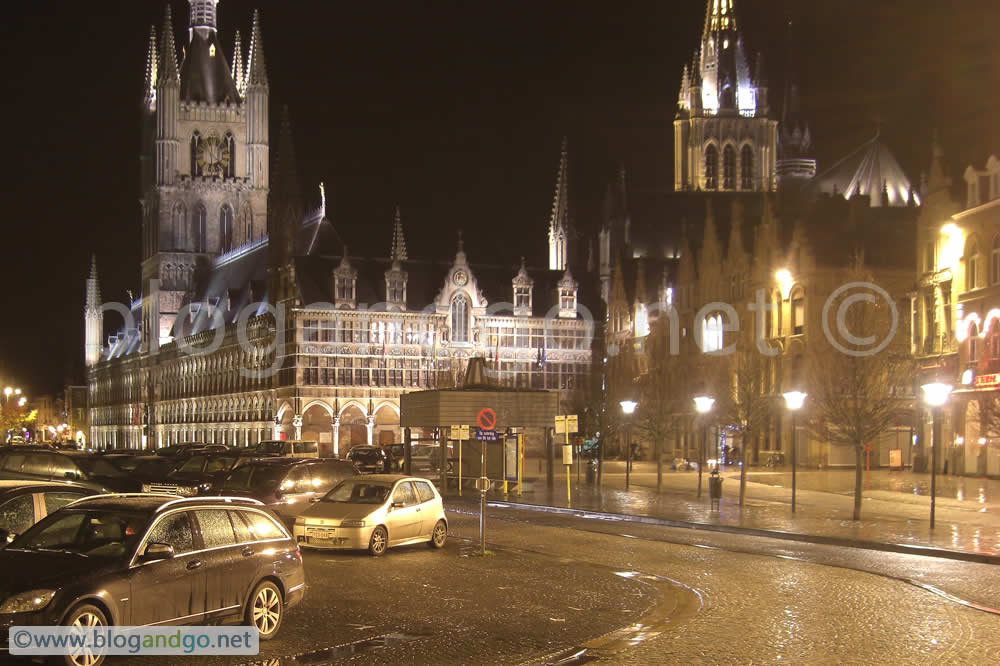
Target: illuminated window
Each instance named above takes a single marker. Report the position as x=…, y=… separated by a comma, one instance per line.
x=728, y=168
x=746, y=168
x=995, y=261
x=971, y=265
x=973, y=342
x=711, y=168
x=711, y=337
x=460, y=319
x=798, y=313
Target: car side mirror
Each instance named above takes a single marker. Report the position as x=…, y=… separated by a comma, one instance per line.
x=397, y=505
x=6, y=537
x=157, y=551
x=313, y=500
x=70, y=475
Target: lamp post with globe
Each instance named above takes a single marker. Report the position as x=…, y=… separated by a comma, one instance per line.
x=935, y=395
x=794, y=401
x=628, y=408
x=703, y=405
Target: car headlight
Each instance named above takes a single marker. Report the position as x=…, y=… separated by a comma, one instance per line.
x=352, y=523
x=187, y=491
x=26, y=602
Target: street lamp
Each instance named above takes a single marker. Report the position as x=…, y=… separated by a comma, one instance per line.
x=794, y=400
x=628, y=408
x=935, y=395
x=703, y=405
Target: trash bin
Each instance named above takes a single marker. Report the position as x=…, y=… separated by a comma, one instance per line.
x=591, y=471
x=715, y=487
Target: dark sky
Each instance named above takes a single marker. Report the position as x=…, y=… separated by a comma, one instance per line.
x=454, y=110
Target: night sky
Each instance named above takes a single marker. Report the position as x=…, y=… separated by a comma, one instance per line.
x=454, y=110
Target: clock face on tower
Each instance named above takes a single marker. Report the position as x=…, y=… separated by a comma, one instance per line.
x=461, y=278
x=213, y=156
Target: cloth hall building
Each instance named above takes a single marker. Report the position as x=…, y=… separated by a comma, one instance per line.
x=255, y=321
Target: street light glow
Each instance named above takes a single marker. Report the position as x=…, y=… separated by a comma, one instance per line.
x=784, y=278
x=628, y=406
x=936, y=394
x=7, y=391
x=794, y=399
x=703, y=404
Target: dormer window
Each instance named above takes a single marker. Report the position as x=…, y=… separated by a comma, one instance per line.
x=522, y=292
x=345, y=280
x=567, y=295
x=395, y=286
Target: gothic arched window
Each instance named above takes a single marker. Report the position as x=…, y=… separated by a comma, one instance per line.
x=231, y=149
x=971, y=265
x=195, y=147
x=728, y=168
x=247, y=221
x=973, y=342
x=711, y=168
x=225, y=228
x=459, y=318
x=995, y=260
x=746, y=168
x=199, y=228
x=180, y=226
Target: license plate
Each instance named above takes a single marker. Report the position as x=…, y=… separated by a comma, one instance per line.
x=326, y=535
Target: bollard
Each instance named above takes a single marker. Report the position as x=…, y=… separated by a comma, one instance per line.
x=715, y=488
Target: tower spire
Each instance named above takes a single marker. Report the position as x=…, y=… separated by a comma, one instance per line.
x=398, y=252
x=152, y=62
x=559, y=222
x=93, y=317
x=256, y=66
x=167, y=69
x=238, y=76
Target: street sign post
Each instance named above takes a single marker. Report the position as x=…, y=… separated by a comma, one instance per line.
x=461, y=432
x=566, y=424
x=487, y=421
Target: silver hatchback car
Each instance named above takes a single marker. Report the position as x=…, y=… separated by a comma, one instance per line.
x=374, y=512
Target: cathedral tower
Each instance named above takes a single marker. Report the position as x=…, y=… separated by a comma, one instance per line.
x=205, y=152
x=559, y=223
x=723, y=138
x=93, y=318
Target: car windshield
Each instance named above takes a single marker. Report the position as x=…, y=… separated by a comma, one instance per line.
x=88, y=533
x=359, y=492
x=368, y=455
x=255, y=478
x=98, y=467
x=125, y=463
x=154, y=467
x=270, y=447
x=193, y=464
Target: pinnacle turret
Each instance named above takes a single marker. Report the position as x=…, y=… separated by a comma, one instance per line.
x=238, y=75
x=559, y=222
x=152, y=63
x=398, y=252
x=168, y=70
x=256, y=66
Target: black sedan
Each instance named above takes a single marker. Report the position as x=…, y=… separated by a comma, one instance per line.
x=80, y=469
x=140, y=560
x=24, y=503
x=370, y=459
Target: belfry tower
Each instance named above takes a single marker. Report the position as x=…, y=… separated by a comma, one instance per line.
x=204, y=160
x=723, y=138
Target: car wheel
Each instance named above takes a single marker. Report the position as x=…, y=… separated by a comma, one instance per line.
x=439, y=535
x=379, y=541
x=266, y=610
x=85, y=616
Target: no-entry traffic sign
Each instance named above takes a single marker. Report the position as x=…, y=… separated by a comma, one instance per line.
x=487, y=419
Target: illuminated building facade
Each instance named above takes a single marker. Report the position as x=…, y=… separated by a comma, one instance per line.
x=255, y=321
x=956, y=315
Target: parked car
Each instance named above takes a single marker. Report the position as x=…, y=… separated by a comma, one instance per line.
x=175, y=450
x=127, y=462
x=286, y=485
x=424, y=458
x=370, y=459
x=288, y=447
x=77, y=468
x=374, y=512
x=196, y=475
x=153, y=469
x=682, y=465
x=147, y=559
x=24, y=503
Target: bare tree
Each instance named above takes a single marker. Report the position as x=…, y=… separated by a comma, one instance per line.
x=855, y=388
x=742, y=385
x=665, y=392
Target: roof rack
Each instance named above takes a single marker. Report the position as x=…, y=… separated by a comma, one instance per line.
x=119, y=496
x=225, y=500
